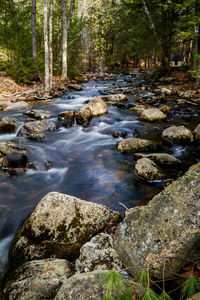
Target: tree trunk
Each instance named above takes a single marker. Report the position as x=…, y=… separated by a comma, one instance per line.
x=34, y=41
x=46, y=46
x=64, y=39
x=50, y=44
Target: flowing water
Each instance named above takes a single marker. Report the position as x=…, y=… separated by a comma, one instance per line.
x=84, y=161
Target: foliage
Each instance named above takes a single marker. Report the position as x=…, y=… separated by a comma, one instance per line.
x=190, y=286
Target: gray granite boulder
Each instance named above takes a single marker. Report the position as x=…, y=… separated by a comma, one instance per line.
x=58, y=227
x=39, y=114
x=159, y=158
x=148, y=170
x=132, y=145
x=166, y=231
x=98, y=254
x=152, y=115
x=177, y=134
x=7, y=148
x=38, y=279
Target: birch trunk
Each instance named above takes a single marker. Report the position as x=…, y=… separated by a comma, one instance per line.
x=50, y=44
x=149, y=16
x=64, y=39
x=34, y=41
x=46, y=46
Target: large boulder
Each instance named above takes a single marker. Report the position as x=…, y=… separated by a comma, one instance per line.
x=98, y=254
x=38, y=279
x=148, y=170
x=197, y=133
x=67, y=118
x=152, y=115
x=75, y=87
x=7, y=148
x=35, y=130
x=39, y=114
x=58, y=227
x=166, y=232
x=132, y=145
x=83, y=115
x=8, y=125
x=177, y=134
x=90, y=286
x=98, y=107
x=159, y=158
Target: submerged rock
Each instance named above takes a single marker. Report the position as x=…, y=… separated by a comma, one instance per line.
x=67, y=118
x=177, y=134
x=38, y=114
x=16, y=160
x=7, y=148
x=38, y=279
x=152, y=115
x=134, y=144
x=119, y=133
x=98, y=254
x=90, y=286
x=159, y=158
x=165, y=232
x=58, y=227
x=8, y=125
x=148, y=170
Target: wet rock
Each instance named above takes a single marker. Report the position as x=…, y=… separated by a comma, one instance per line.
x=98, y=107
x=8, y=125
x=89, y=286
x=16, y=160
x=7, y=148
x=38, y=114
x=38, y=279
x=112, y=98
x=166, y=231
x=166, y=91
x=148, y=170
x=67, y=118
x=197, y=133
x=132, y=145
x=138, y=108
x=159, y=158
x=35, y=130
x=4, y=211
x=119, y=133
x=39, y=166
x=165, y=109
x=4, y=104
x=152, y=115
x=98, y=254
x=83, y=115
x=58, y=227
x=177, y=134
x=75, y=87
x=21, y=105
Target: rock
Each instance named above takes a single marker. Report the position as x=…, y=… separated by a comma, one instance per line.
x=119, y=133
x=38, y=279
x=152, y=115
x=67, y=118
x=8, y=125
x=89, y=286
x=58, y=227
x=7, y=148
x=166, y=231
x=21, y=105
x=112, y=98
x=148, y=170
x=16, y=160
x=39, y=166
x=177, y=134
x=35, y=130
x=195, y=297
x=138, y=108
x=159, y=158
x=166, y=91
x=132, y=145
x=197, y=133
x=75, y=87
x=38, y=114
x=98, y=107
x=98, y=254
x=4, y=104
x=83, y=115
x=165, y=109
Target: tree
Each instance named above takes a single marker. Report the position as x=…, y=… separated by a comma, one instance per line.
x=46, y=46
x=34, y=41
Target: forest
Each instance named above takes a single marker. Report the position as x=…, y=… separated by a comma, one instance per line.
x=99, y=149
